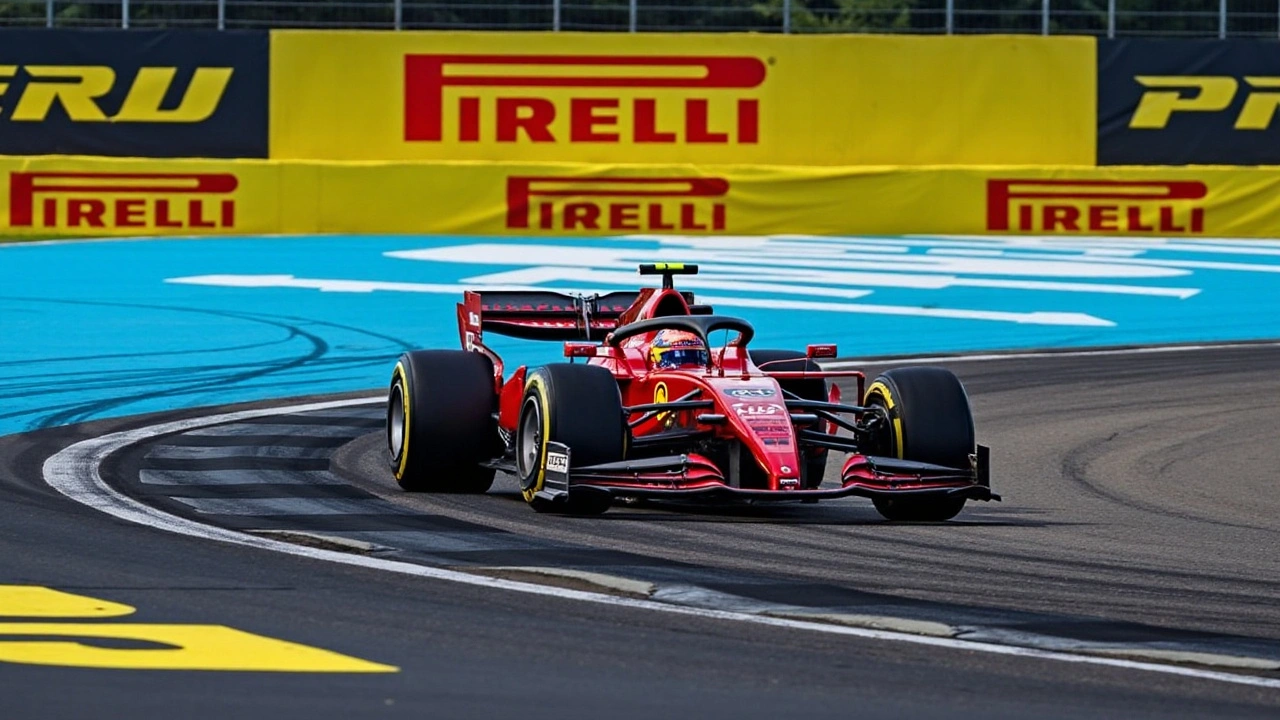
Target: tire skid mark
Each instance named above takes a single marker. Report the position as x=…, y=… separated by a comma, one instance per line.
x=315, y=351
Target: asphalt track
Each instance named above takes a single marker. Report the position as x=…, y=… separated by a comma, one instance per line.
x=1140, y=509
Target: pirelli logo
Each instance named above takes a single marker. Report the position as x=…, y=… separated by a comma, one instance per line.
x=79, y=89
x=617, y=203
x=1096, y=206
x=582, y=99
x=160, y=201
x=1170, y=94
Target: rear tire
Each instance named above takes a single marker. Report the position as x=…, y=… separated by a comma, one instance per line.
x=581, y=407
x=929, y=421
x=440, y=423
x=815, y=466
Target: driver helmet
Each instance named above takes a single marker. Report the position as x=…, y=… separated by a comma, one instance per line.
x=677, y=348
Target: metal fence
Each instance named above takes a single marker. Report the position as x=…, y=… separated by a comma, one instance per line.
x=1108, y=18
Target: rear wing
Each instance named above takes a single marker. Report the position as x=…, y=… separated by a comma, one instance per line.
x=543, y=315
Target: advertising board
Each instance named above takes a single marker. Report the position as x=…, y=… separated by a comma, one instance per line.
x=95, y=196
x=1181, y=102
x=682, y=98
x=136, y=93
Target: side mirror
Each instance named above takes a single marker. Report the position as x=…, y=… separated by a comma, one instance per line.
x=579, y=350
x=814, y=352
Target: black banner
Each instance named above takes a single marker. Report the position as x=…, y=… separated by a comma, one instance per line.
x=1181, y=102
x=189, y=93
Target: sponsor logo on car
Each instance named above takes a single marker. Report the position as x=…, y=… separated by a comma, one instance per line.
x=122, y=200
x=662, y=395
x=557, y=462
x=771, y=429
x=1096, y=206
x=616, y=203
x=77, y=89
x=596, y=99
x=750, y=410
x=750, y=392
x=1166, y=95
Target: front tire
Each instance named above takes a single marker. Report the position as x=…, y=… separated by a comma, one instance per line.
x=440, y=423
x=929, y=421
x=581, y=407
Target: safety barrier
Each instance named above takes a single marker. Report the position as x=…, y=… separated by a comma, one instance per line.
x=725, y=99
x=77, y=196
x=585, y=134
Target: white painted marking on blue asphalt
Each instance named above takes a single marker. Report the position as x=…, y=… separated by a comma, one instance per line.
x=773, y=257
x=109, y=328
x=997, y=357
x=323, y=285
x=813, y=282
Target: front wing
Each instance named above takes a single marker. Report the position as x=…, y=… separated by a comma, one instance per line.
x=692, y=476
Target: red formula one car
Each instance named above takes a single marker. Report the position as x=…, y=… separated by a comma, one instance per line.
x=656, y=409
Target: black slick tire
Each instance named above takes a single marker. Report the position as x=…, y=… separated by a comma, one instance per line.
x=815, y=466
x=929, y=421
x=578, y=405
x=440, y=423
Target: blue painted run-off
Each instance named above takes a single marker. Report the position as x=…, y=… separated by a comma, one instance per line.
x=110, y=328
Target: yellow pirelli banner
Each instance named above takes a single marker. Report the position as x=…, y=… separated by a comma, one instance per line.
x=52, y=196
x=683, y=98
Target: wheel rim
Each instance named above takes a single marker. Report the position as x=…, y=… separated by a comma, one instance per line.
x=885, y=441
x=395, y=422
x=529, y=440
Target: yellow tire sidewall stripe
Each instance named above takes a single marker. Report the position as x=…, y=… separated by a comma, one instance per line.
x=536, y=384
x=881, y=389
x=399, y=373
